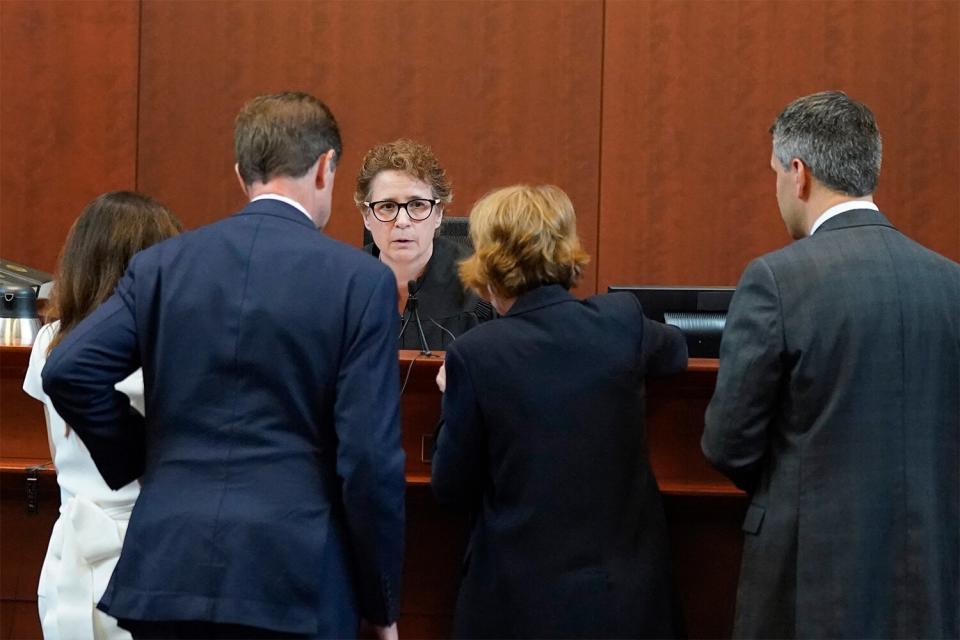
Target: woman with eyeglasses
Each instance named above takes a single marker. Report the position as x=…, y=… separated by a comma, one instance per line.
x=402, y=193
x=544, y=442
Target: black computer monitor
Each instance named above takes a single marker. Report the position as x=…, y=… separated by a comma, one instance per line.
x=700, y=312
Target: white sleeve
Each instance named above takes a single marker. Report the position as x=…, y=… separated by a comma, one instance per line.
x=132, y=386
x=32, y=383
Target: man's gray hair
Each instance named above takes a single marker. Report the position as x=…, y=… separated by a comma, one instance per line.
x=835, y=137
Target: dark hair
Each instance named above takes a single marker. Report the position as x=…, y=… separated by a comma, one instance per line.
x=283, y=135
x=836, y=137
x=101, y=242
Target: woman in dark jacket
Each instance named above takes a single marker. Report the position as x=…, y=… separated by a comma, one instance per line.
x=402, y=192
x=544, y=439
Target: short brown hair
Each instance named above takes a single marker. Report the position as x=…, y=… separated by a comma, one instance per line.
x=836, y=137
x=523, y=237
x=404, y=155
x=101, y=242
x=283, y=135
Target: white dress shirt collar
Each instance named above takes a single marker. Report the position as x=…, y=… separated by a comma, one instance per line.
x=289, y=201
x=843, y=207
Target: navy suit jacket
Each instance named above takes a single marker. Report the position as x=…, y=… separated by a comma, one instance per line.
x=544, y=439
x=272, y=469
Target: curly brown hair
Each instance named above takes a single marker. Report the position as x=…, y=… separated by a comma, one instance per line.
x=404, y=155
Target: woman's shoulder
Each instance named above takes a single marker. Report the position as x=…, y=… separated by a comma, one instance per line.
x=619, y=303
x=32, y=383
x=441, y=279
x=41, y=343
x=450, y=251
x=45, y=335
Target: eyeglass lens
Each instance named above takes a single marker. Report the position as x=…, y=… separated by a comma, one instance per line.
x=417, y=209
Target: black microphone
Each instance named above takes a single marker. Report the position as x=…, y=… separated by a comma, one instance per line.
x=412, y=288
x=484, y=310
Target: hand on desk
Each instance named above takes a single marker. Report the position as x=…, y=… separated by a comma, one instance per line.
x=442, y=378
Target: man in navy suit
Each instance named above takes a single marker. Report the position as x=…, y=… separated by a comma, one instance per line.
x=270, y=457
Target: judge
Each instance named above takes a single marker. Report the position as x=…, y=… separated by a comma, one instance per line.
x=402, y=193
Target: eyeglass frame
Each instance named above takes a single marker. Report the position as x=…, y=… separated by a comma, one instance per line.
x=403, y=205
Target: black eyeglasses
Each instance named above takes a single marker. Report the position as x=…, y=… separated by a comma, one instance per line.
x=417, y=209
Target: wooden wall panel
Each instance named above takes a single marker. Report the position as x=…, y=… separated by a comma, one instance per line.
x=68, y=112
x=503, y=91
x=691, y=87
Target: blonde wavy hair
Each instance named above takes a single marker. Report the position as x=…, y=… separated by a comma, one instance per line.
x=523, y=237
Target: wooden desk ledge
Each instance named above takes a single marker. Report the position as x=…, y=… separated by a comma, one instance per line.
x=22, y=465
x=704, y=489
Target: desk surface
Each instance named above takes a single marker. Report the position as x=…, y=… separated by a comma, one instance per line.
x=703, y=509
x=674, y=422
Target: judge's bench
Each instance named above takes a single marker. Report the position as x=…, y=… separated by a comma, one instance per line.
x=704, y=510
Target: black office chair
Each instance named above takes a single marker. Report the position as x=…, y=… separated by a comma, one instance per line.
x=452, y=228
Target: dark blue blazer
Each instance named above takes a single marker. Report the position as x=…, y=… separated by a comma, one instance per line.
x=272, y=469
x=544, y=440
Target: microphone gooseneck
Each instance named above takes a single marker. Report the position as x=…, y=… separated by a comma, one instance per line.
x=412, y=288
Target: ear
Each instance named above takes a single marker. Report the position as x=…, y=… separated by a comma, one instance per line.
x=802, y=179
x=438, y=216
x=325, y=170
x=243, y=185
x=366, y=220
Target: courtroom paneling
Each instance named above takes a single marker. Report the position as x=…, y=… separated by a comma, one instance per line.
x=22, y=434
x=706, y=543
x=503, y=91
x=24, y=537
x=68, y=80
x=691, y=87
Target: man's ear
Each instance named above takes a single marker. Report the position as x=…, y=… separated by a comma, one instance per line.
x=801, y=179
x=366, y=221
x=326, y=167
x=243, y=185
x=439, y=216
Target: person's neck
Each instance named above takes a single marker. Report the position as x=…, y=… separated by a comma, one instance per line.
x=502, y=305
x=286, y=187
x=820, y=202
x=407, y=271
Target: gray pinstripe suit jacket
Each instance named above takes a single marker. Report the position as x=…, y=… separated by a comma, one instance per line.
x=837, y=409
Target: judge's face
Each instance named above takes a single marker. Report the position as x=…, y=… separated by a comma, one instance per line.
x=403, y=240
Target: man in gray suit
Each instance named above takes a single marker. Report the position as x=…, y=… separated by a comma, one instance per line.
x=836, y=405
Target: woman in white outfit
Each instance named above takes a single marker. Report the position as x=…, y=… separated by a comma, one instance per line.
x=87, y=538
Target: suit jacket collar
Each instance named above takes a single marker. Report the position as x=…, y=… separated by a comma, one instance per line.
x=854, y=218
x=542, y=296
x=278, y=209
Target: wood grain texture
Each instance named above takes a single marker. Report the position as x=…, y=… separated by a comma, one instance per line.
x=68, y=80
x=23, y=544
x=22, y=428
x=19, y=620
x=503, y=91
x=691, y=87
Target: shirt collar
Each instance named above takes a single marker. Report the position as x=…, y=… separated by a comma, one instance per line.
x=843, y=207
x=293, y=203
